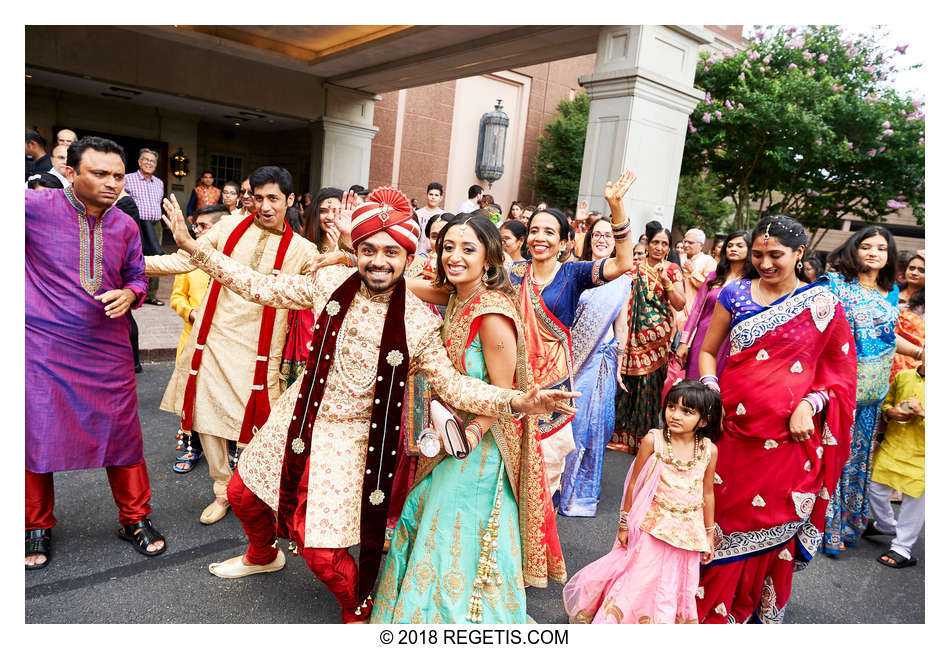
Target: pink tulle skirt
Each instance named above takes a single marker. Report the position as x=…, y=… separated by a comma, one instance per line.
x=653, y=583
x=648, y=581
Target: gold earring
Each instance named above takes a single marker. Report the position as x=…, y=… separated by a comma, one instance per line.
x=485, y=276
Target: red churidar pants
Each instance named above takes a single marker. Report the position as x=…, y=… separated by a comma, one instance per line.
x=130, y=489
x=333, y=566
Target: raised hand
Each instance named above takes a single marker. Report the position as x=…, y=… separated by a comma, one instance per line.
x=344, y=220
x=581, y=213
x=175, y=221
x=333, y=236
x=614, y=192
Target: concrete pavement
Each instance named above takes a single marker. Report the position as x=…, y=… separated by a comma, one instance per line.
x=94, y=577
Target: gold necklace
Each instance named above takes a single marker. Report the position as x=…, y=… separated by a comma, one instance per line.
x=675, y=461
x=652, y=274
x=461, y=305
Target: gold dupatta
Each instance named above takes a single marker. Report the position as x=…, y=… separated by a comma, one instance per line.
x=517, y=441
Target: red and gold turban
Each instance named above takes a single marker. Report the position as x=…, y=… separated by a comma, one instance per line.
x=386, y=210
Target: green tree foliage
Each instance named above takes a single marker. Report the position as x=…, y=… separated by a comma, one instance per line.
x=807, y=123
x=557, y=166
x=698, y=204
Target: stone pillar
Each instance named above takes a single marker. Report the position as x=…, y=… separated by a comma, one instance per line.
x=641, y=95
x=342, y=139
x=180, y=131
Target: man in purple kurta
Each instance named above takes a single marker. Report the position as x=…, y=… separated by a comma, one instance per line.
x=84, y=269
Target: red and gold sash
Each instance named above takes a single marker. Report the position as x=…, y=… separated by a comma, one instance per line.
x=392, y=369
x=258, y=405
x=548, y=345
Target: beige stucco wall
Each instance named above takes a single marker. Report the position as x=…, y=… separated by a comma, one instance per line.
x=474, y=97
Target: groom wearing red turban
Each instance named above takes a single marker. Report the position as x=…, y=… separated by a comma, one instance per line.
x=325, y=459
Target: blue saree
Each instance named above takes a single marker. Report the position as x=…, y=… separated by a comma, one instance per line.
x=873, y=320
x=595, y=357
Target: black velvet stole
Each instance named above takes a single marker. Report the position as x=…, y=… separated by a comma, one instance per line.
x=392, y=369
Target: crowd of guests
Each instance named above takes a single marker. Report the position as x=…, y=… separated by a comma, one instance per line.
x=699, y=364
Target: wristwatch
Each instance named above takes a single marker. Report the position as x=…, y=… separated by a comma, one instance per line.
x=429, y=443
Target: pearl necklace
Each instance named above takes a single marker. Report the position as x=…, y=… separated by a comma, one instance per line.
x=534, y=281
x=669, y=458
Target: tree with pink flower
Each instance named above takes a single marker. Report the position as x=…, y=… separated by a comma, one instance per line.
x=801, y=132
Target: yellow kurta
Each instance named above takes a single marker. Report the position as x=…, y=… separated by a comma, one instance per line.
x=227, y=365
x=341, y=427
x=189, y=290
x=899, y=461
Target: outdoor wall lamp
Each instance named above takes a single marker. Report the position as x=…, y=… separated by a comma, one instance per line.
x=492, y=132
x=180, y=164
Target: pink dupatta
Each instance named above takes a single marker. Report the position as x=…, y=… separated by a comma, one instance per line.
x=584, y=593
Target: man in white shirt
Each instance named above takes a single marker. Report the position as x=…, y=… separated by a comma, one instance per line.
x=697, y=265
x=58, y=158
x=433, y=207
x=474, y=194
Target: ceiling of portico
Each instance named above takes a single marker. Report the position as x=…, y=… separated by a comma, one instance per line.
x=383, y=58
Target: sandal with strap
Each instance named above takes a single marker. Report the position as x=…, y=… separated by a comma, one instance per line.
x=39, y=542
x=873, y=530
x=141, y=535
x=899, y=561
x=189, y=459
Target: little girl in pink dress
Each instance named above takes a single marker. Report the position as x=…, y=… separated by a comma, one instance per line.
x=666, y=522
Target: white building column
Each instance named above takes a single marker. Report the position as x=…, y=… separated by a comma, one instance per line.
x=342, y=139
x=641, y=95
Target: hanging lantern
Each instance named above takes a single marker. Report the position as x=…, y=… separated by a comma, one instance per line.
x=492, y=132
x=180, y=164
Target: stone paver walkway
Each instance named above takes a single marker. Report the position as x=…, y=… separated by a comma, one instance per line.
x=159, y=326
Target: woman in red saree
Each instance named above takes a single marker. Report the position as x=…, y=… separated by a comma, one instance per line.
x=788, y=395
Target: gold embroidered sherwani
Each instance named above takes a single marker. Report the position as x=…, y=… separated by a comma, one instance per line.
x=227, y=365
x=341, y=427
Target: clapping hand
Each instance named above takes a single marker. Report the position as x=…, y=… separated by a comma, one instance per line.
x=176, y=223
x=614, y=192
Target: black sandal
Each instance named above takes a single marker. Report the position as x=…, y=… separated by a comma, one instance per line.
x=899, y=561
x=39, y=542
x=872, y=530
x=141, y=535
